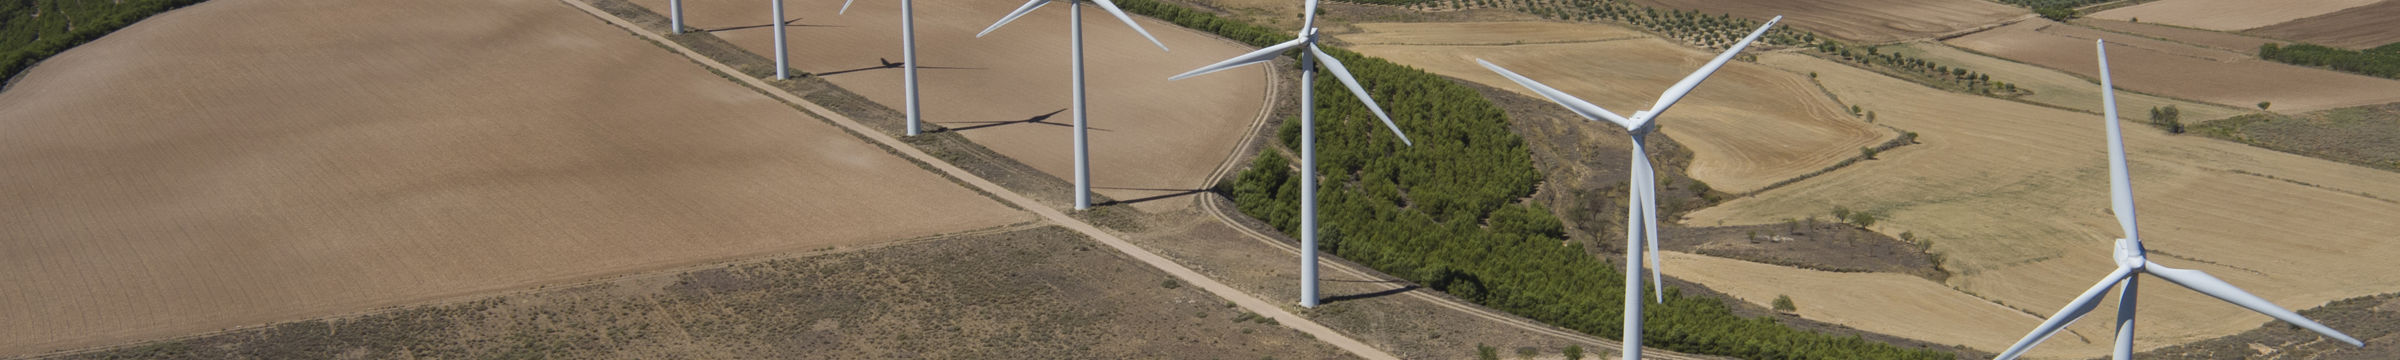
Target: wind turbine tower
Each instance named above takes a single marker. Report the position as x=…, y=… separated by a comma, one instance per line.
x=675, y=15
x=908, y=59
x=1083, y=163
x=2133, y=260
x=783, y=64
x=1307, y=43
x=1641, y=213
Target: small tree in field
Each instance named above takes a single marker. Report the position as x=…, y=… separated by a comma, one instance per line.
x=2262, y=105
x=1867, y=152
x=1784, y=303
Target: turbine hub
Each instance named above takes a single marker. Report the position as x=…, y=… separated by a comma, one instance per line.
x=2130, y=254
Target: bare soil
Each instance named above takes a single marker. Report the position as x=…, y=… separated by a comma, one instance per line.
x=1871, y=21
x=1042, y=292
x=1010, y=91
x=2226, y=41
x=1807, y=244
x=2355, y=28
x=1750, y=126
x=2226, y=15
x=2182, y=71
x=355, y=155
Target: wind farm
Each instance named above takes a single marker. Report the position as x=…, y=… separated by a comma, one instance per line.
x=1836, y=179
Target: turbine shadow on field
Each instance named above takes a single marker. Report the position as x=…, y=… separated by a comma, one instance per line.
x=1174, y=193
x=1042, y=119
x=1387, y=292
x=894, y=65
x=792, y=22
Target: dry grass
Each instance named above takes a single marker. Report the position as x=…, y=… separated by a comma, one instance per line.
x=1869, y=21
x=355, y=155
x=2182, y=71
x=1749, y=126
x=1888, y=303
x=2015, y=196
x=2055, y=88
x=2356, y=28
x=1149, y=137
x=2227, y=15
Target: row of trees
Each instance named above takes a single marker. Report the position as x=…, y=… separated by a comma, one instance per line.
x=2381, y=61
x=1970, y=80
x=1446, y=212
x=32, y=30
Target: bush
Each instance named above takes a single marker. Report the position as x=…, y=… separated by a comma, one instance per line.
x=2057, y=13
x=1784, y=303
x=1486, y=352
x=1573, y=352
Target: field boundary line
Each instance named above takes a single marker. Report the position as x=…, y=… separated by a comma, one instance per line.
x=1254, y=304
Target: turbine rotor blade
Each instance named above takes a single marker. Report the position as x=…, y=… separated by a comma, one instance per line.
x=1649, y=199
x=2120, y=185
x=845, y=7
x=1013, y=15
x=1580, y=107
x=1120, y=14
x=2205, y=284
x=1308, y=17
x=2075, y=309
x=1341, y=73
x=1692, y=81
x=1259, y=56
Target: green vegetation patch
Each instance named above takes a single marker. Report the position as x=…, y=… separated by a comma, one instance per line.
x=2381, y=61
x=32, y=30
x=1446, y=212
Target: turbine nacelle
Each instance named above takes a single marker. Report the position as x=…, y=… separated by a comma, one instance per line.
x=2130, y=254
x=1640, y=123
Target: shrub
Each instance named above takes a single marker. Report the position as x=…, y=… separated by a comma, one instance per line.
x=1784, y=303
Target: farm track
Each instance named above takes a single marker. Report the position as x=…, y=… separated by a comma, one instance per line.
x=1220, y=289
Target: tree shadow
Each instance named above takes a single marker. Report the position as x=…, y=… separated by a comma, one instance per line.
x=1390, y=292
x=792, y=22
x=888, y=64
x=1036, y=119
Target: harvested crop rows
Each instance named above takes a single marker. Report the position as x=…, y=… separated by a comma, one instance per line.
x=2356, y=28
x=2015, y=195
x=1008, y=91
x=1868, y=21
x=2182, y=71
x=359, y=154
x=2227, y=15
x=1748, y=127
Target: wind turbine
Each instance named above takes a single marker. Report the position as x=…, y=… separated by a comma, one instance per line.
x=675, y=15
x=1083, y=158
x=1307, y=43
x=2131, y=259
x=908, y=57
x=783, y=65
x=1641, y=213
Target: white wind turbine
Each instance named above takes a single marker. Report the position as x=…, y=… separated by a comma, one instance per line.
x=2131, y=259
x=1083, y=163
x=1641, y=214
x=908, y=58
x=1307, y=43
x=675, y=15
x=783, y=64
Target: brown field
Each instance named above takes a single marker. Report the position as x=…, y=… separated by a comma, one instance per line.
x=2356, y=28
x=1749, y=126
x=1032, y=293
x=2226, y=15
x=1871, y=21
x=1483, y=33
x=2182, y=71
x=1888, y=303
x=2239, y=43
x=1149, y=136
x=2055, y=88
x=357, y=154
x=2014, y=195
